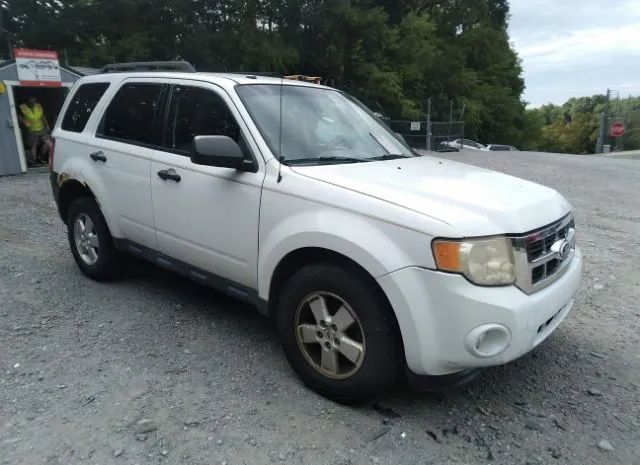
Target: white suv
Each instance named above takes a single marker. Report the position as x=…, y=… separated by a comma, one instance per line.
x=374, y=262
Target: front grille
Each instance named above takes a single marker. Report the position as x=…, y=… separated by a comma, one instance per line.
x=535, y=249
x=537, y=262
x=537, y=273
x=552, y=266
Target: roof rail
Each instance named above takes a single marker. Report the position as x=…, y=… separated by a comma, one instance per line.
x=149, y=66
x=259, y=73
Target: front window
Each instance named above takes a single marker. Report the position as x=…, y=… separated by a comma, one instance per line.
x=318, y=125
x=195, y=111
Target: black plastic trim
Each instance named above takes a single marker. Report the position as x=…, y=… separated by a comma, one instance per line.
x=55, y=188
x=428, y=383
x=149, y=66
x=229, y=287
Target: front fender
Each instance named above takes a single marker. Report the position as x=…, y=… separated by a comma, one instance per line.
x=377, y=246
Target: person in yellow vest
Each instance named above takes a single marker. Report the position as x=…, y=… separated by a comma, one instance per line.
x=37, y=129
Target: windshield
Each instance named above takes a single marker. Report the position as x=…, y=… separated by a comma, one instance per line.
x=318, y=125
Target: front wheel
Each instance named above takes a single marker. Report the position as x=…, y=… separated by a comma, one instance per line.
x=338, y=332
x=90, y=240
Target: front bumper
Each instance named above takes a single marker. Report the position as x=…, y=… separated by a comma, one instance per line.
x=440, y=314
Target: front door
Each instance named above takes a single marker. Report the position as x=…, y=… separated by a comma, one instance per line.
x=205, y=216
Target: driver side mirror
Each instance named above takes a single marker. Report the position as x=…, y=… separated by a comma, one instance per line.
x=220, y=151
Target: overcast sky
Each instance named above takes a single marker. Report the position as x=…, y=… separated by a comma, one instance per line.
x=571, y=48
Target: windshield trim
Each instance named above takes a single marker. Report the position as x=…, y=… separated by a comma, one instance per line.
x=276, y=152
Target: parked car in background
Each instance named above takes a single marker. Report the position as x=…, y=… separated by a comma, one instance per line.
x=501, y=148
x=463, y=144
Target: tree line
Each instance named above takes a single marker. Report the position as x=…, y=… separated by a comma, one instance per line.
x=393, y=55
x=574, y=126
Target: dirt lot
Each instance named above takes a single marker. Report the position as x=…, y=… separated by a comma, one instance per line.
x=81, y=363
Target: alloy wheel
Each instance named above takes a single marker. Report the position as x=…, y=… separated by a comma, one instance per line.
x=86, y=239
x=330, y=335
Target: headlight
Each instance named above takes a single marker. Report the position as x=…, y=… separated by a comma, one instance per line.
x=487, y=262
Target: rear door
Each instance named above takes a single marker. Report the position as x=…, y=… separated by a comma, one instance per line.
x=122, y=148
x=207, y=216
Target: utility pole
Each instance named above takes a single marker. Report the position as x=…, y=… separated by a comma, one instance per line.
x=603, y=123
x=2, y=41
x=600, y=142
x=450, y=119
x=428, y=134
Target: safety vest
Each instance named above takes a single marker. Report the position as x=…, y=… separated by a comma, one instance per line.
x=33, y=117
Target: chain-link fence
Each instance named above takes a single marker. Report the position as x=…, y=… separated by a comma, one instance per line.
x=414, y=132
x=444, y=133
x=434, y=135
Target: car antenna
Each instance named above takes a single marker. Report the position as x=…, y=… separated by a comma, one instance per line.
x=280, y=160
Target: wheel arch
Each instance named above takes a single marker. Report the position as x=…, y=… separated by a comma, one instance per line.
x=70, y=190
x=77, y=178
x=297, y=259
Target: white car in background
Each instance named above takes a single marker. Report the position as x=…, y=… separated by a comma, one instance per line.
x=501, y=148
x=464, y=144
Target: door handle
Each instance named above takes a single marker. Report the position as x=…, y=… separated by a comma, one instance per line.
x=98, y=156
x=169, y=174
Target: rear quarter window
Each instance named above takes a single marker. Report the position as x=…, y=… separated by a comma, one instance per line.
x=82, y=104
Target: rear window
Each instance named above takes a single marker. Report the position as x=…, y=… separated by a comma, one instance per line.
x=131, y=114
x=82, y=104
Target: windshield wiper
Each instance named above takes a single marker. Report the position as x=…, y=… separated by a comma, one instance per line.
x=390, y=156
x=298, y=161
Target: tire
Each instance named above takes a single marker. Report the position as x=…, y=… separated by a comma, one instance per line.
x=106, y=264
x=377, y=358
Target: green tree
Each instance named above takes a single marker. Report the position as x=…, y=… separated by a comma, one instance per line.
x=393, y=55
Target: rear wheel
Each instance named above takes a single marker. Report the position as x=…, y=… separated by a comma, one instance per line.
x=90, y=240
x=338, y=332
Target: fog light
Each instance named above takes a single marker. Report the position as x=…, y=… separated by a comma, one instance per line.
x=487, y=340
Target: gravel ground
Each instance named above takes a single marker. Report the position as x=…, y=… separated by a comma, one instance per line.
x=82, y=363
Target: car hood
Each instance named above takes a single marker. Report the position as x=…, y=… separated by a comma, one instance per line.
x=473, y=201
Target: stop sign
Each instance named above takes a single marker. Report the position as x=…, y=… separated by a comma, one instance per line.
x=617, y=129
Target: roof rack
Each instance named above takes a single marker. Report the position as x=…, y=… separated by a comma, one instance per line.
x=183, y=66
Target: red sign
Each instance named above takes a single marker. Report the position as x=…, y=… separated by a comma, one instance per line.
x=617, y=129
x=37, y=67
